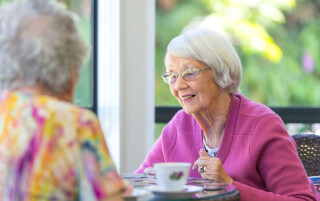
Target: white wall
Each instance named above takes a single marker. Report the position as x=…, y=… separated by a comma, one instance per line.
x=126, y=79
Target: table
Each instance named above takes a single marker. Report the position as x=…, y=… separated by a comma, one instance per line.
x=316, y=182
x=212, y=191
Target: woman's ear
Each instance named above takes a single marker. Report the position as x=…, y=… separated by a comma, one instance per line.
x=68, y=94
x=74, y=81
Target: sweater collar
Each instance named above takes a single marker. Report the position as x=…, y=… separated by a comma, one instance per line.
x=230, y=128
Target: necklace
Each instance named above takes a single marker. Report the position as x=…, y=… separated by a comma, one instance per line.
x=212, y=152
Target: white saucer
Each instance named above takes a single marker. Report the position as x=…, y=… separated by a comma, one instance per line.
x=132, y=175
x=187, y=191
x=137, y=193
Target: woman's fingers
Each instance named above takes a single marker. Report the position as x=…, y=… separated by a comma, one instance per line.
x=202, y=152
x=149, y=170
x=212, y=169
x=200, y=162
x=195, y=165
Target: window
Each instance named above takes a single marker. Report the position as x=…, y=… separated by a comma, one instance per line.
x=277, y=41
x=126, y=79
x=85, y=94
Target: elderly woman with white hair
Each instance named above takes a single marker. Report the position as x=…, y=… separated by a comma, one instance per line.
x=227, y=137
x=50, y=149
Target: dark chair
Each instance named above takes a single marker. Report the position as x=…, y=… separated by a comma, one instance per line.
x=308, y=147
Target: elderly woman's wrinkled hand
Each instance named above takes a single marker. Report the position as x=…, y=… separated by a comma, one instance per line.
x=211, y=168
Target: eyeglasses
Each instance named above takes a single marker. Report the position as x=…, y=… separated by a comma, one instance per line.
x=188, y=74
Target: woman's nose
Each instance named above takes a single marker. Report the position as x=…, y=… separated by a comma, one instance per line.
x=180, y=83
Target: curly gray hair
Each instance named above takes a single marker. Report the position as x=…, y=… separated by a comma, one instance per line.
x=212, y=49
x=39, y=45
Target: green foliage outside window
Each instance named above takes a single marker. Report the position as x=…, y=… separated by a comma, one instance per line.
x=278, y=43
x=83, y=93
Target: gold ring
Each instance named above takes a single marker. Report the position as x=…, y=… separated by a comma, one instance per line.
x=203, y=169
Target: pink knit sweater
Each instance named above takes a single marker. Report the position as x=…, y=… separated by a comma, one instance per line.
x=256, y=151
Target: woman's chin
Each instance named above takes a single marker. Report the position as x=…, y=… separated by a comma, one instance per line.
x=189, y=110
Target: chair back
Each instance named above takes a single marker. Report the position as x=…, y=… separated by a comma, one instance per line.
x=308, y=147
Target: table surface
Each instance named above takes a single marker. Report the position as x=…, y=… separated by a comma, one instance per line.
x=211, y=190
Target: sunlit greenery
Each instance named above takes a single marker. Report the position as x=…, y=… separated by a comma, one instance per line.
x=83, y=91
x=278, y=42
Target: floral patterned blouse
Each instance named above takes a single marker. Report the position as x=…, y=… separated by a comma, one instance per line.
x=52, y=150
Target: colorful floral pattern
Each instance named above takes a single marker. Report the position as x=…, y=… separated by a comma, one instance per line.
x=52, y=150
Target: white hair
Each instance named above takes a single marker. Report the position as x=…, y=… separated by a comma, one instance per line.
x=212, y=49
x=39, y=45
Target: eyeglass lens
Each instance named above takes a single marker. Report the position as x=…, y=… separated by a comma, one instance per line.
x=188, y=75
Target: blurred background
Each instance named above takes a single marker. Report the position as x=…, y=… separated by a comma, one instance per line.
x=278, y=42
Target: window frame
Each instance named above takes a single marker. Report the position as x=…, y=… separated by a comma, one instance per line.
x=94, y=57
x=122, y=71
x=122, y=137
x=163, y=114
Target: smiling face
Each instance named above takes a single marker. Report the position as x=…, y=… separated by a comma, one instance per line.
x=196, y=96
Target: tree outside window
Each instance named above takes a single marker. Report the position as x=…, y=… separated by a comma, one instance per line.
x=278, y=43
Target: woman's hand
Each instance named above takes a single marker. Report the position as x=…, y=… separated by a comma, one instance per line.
x=211, y=168
x=149, y=171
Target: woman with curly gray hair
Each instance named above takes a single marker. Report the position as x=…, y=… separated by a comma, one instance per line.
x=50, y=149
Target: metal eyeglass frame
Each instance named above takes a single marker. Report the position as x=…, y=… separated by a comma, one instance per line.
x=169, y=76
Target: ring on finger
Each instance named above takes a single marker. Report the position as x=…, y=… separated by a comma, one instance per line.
x=203, y=169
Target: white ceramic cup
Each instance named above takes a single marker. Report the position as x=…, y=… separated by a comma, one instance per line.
x=172, y=176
